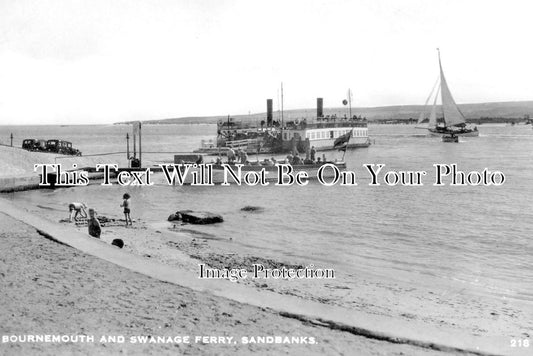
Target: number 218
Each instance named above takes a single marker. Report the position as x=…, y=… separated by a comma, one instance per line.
x=519, y=342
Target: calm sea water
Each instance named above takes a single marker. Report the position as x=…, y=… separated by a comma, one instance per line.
x=476, y=235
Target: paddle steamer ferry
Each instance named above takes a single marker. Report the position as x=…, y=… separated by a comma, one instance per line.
x=286, y=136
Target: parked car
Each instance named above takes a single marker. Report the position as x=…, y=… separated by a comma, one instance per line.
x=32, y=144
x=29, y=144
x=62, y=147
x=40, y=145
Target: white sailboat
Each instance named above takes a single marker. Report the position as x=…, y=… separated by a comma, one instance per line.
x=452, y=121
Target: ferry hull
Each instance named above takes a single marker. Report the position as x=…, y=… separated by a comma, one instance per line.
x=299, y=136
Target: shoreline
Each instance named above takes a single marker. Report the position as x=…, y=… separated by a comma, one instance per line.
x=418, y=335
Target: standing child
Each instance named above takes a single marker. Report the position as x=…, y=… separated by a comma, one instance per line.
x=126, y=205
x=94, y=225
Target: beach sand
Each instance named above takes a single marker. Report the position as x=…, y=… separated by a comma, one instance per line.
x=49, y=288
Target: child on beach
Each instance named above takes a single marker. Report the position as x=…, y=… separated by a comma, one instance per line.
x=94, y=225
x=126, y=205
x=75, y=209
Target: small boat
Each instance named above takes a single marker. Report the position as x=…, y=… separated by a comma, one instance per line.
x=450, y=138
x=452, y=120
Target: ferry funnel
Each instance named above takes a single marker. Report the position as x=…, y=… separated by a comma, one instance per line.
x=319, y=107
x=269, y=112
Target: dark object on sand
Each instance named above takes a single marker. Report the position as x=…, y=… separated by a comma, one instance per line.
x=252, y=209
x=118, y=242
x=196, y=217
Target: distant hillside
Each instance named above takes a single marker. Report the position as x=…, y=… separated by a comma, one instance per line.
x=473, y=112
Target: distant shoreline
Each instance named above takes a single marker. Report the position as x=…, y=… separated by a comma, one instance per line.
x=495, y=112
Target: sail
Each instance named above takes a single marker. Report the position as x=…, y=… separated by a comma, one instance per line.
x=452, y=115
x=433, y=115
x=423, y=112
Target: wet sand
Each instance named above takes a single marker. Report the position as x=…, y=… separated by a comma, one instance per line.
x=49, y=288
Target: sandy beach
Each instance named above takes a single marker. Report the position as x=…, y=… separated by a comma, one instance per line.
x=49, y=288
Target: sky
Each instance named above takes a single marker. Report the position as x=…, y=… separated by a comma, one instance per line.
x=105, y=61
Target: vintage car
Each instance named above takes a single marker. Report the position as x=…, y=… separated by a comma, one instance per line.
x=29, y=144
x=40, y=145
x=62, y=147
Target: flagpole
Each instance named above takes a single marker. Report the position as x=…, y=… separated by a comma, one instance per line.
x=281, y=104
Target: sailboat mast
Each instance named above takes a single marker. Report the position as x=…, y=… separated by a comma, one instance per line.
x=281, y=129
x=281, y=104
x=441, y=92
x=350, y=102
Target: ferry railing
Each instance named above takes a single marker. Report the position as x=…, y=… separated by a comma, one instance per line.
x=239, y=143
x=325, y=125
